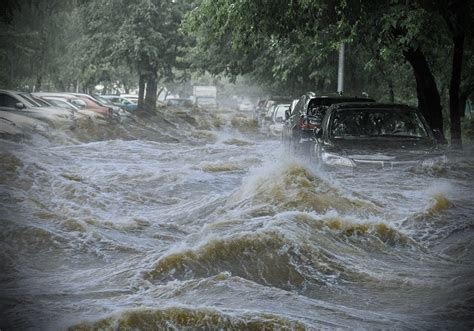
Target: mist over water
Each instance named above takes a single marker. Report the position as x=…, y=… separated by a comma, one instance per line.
x=194, y=219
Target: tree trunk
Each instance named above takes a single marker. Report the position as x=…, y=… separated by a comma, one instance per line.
x=141, y=90
x=160, y=91
x=454, y=113
x=462, y=104
x=427, y=91
x=455, y=16
x=151, y=89
x=125, y=87
x=43, y=43
x=12, y=73
x=390, y=91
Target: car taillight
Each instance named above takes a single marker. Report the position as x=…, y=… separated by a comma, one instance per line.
x=306, y=124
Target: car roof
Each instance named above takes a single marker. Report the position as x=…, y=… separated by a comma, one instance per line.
x=8, y=91
x=342, y=97
x=372, y=105
x=54, y=94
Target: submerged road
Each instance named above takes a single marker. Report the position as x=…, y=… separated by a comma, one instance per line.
x=201, y=220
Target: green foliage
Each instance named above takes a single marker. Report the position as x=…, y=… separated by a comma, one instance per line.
x=139, y=33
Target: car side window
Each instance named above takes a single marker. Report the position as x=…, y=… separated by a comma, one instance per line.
x=7, y=101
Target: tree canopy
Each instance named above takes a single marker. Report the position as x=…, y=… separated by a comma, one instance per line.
x=305, y=34
x=418, y=52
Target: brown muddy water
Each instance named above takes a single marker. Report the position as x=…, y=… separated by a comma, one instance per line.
x=193, y=220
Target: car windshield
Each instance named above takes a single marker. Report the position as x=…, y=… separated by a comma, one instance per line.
x=319, y=101
x=30, y=99
x=61, y=103
x=377, y=123
x=104, y=101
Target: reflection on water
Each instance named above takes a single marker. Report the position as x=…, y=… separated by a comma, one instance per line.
x=196, y=220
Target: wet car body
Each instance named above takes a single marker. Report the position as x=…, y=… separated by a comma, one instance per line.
x=375, y=135
x=20, y=106
x=307, y=115
x=278, y=118
x=25, y=102
x=85, y=101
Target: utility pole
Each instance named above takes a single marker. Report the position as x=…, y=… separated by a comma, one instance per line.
x=340, y=70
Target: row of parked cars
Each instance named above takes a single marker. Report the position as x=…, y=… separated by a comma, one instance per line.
x=351, y=131
x=92, y=104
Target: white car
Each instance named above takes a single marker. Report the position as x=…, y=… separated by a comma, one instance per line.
x=278, y=119
x=25, y=104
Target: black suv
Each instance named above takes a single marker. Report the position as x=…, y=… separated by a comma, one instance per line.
x=375, y=135
x=307, y=115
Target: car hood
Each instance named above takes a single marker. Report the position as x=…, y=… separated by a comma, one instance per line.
x=380, y=149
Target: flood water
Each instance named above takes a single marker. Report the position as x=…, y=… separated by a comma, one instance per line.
x=200, y=220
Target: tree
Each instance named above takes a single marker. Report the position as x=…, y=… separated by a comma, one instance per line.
x=393, y=29
x=456, y=14
x=143, y=34
x=36, y=45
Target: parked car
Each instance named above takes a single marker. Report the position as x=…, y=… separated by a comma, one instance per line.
x=121, y=102
x=375, y=135
x=25, y=104
x=307, y=115
x=54, y=97
x=269, y=102
x=132, y=97
x=94, y=101
x=80, y=100
x=107, y=103
x=78, y=106
x=278, y=118
x=61, y=103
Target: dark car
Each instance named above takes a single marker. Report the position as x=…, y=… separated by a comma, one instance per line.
x=307, y=115
x=375, y=135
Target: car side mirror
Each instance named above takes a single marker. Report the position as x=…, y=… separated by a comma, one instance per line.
x=20, y=105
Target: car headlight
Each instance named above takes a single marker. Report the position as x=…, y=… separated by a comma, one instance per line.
x=337, y=160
